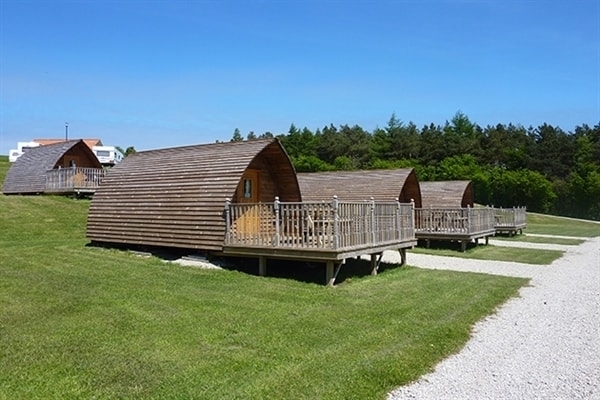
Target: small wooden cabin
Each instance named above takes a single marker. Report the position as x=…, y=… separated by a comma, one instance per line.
x=65, y=167
x=175, y=197
x=238, y=199
x=381, y=185
x=447, y=194
x=448, y=213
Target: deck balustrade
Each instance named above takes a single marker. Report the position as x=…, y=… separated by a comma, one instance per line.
x=334, y=226
x=510, y=220
x=73, y=179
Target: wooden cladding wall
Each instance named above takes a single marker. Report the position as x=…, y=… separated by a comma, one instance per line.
x=381, y=185
x=447, y=194
x=176, y=197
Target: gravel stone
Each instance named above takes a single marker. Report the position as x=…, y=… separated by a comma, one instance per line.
x=544, y=344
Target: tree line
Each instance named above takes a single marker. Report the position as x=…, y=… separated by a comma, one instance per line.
x=544, y=168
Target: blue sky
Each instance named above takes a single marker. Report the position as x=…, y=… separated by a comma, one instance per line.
x=165, y=73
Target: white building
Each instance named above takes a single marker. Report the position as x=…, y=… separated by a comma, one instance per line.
x=22, y=147
x=108, y=155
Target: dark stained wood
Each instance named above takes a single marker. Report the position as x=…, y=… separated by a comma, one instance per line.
x=447, y=194
x=382, y=185
x=27, y=175
x=175, y=197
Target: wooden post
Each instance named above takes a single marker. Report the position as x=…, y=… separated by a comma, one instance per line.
x=262, y=265
x=402, y=256
x=373, y=237
x=227, y=221
x=336, y=221
x=276, y=205
x=329, y=277
x=373, y=264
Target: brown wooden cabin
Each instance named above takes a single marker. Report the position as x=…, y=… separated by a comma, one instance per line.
x=381, y=185
x=175, y=197
x=392, y=194
x=234, y=199
x=447, y=194
x=448, y=213
x=65, y=167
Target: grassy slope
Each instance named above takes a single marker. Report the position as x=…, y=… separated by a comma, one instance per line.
x=83, y=322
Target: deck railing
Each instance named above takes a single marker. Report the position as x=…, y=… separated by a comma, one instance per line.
x=335, y=225
x=74, y=179
x=515, y=217
x=455, y=220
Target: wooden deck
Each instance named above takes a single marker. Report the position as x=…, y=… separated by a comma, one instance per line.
x=510, y=220
x=316, y=231
x=73, y=180
x=458, y=224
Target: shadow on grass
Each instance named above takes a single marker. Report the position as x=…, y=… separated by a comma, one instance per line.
x=302, y=271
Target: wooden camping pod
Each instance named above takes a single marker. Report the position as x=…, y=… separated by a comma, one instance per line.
x=382, y=185
x=29, y=173
x=447, y=194
x=175, y=197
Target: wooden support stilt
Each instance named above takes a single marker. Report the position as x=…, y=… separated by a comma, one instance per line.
x=402, y=256
x=373, y=264
x=262, y=265
x=487, y=240
x=329, y=277
x=463, y=245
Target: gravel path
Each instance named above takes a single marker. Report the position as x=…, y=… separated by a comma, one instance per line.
x=544, y=344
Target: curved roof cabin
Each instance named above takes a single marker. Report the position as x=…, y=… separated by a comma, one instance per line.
x=175, y=197
x=28, y=174
x=382, y=185
x=447, y=194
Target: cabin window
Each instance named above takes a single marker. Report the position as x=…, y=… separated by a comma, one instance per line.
x=102, y=153
x=247, y=188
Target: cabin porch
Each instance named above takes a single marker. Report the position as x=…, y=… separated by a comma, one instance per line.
x=458, y=224
x=510, y=220
x=73, y=180
x=328, y=232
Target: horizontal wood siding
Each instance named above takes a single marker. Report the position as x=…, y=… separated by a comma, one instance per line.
x=447, y=194
x=175, y=197
x=381, y=185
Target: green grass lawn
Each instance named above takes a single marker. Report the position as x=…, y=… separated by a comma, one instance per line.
x=81, y=322
x=551, y=225
x=540, y=239
x=490, y=252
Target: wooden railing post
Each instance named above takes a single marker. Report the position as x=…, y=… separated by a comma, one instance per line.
x=413, y=221
x=469, y=218
x=228, y=221
x=372, y=211
x=277, y=205
x=336, y=227
x=399, y=224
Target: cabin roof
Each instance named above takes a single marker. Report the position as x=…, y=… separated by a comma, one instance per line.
x=175, y=197
x=382, y=185
x=457, y=193
x=27, y=175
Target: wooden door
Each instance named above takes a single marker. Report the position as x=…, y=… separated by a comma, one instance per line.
x=248, y=192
